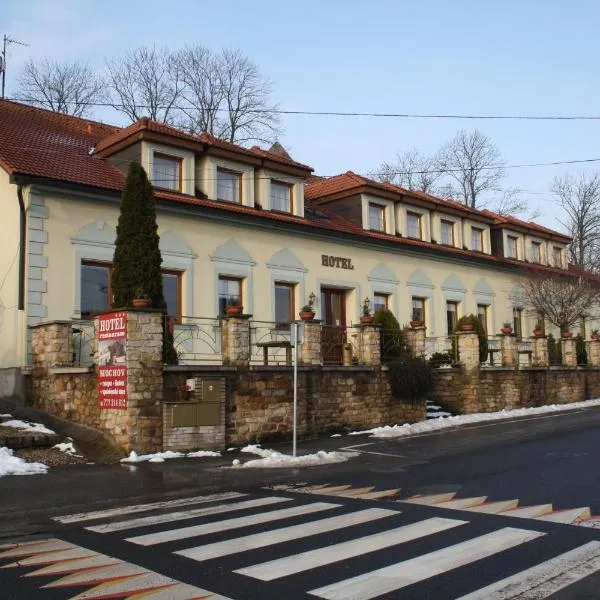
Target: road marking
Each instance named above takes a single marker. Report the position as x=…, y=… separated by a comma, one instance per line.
x=567, y=516
x=124, y=510
x=399, y=575
x=277, y=536
x=494, y=508
x=430, y=500
x=370, y=451
x=187, y=532
x=312, y=559
x=529, y=512
x=463, y=503
x=187, y=514
x=544, y=579
x=349, y=492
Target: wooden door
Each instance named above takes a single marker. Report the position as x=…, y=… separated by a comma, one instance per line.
x=333, y=313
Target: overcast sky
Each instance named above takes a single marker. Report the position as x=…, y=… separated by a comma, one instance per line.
x=463, y=57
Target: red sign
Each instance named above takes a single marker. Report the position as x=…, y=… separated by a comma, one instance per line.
x=112, y=360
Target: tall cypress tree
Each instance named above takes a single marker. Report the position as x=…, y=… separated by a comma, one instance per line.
x=137, y=259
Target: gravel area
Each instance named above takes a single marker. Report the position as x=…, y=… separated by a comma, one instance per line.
x=50, y=456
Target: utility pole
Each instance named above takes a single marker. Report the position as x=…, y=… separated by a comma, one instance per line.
x=6, y=41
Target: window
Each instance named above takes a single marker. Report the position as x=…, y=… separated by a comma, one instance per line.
x=228, y=186
x=518, y=322
x=448, y=233
x=376, y=217
x=451, y=316
x=281, y=196
x=418, y=309
x=482, y=315
x=229, y=288
x=557, y=256
x=380, y=302
x=536, y=252
x=166, y=172
x=476, y=239
x=96, y=289
x=284, y=303
x=511, y=247
x=413, y=225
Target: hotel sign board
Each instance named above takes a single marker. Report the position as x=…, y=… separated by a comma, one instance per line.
x=112, y=360
x=338, y=262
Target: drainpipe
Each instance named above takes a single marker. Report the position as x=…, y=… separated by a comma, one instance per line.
x=22, y=240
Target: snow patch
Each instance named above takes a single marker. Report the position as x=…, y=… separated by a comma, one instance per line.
x=134, y=457
x=13, y=465
x=273, y=459
x=66, y=447
x=202, y=454
x=27, y=426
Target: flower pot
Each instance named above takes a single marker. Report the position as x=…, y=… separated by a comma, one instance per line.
x=141, y=302
x=466, y=327
x=538, y=333
x=595, y=336
x=306, y=315
x=506, y=330
x=366, y=319
x=234, y=310
x=567, y=334
x=416, y=323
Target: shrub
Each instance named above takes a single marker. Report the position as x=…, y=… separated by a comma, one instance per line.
x=437, y=359
x=554, y=350
x=479, y=330
x=410, y=378
x=580, y=350
x=392, y=336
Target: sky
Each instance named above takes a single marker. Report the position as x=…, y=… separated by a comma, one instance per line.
x=515, y=57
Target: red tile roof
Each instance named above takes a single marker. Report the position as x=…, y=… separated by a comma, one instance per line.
x=510, y=220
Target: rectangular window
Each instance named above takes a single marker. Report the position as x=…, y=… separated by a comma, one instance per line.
x=557, y=256
x=95, y=288
x=518, y=322
x=284, y=303
x=511, y=247
x=171, y=281
x=413, y=225
x=451, y=316
x=380, y=302
x=536, y=252
x=476, y=239
x=376, y=217
x=448, y=233
x=228, y=186
x=281, y=196
x=230, y=290
x=418, y=309
x=482, y=315
x=166, y=172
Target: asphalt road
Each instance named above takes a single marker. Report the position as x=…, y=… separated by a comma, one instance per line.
x=549, y=459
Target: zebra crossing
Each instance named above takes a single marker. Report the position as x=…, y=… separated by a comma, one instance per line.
x=287, y=546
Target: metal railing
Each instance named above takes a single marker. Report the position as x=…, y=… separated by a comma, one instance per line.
x=340, y=345
x=494, y=351
x=443, y=349
x=82, y=342
x=196, y=340
x=270, y=343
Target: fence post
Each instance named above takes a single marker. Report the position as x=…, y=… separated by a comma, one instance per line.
x=508, y=347
x=310, y=348
x=569, y=352
x=468, y=350
x=540, y=351
x=370, y=346
x=416, y=341
x=236, y=340
x=594, y=353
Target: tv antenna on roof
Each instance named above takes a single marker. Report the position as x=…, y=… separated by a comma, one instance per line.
x=7, y=40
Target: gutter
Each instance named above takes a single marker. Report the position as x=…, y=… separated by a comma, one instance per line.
x=22, y=240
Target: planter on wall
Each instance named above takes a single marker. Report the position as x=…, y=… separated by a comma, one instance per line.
x=416, y=323
x=538, y=333
x=466, y=327
x=567, y=334
x=141, y=302
x=234, y=310
x=306, y=315
x=366, y=319
x=506, y=330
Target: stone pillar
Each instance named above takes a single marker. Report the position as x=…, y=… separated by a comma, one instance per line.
x=52, y=344
x=236, y=340
x=468, y=350
x=569, y=352
x=540, y=351
x=310, y=348
x=144, y=380
x=593, y=352
x=508, y=350
x=370, y=346
x=416, y=341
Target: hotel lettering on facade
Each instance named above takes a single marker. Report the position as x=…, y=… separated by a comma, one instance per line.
x=244, y=223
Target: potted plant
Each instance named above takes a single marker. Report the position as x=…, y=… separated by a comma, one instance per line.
x=416, y=323
x=506, y=328
x=595, y=335
x=307, y=312
x=233, y=307
x=366, y=317
x=141, y=299
x=538, y=331
x=466, y=327
x=566, y=334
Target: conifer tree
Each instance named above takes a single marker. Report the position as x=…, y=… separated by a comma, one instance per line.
x=137, y=259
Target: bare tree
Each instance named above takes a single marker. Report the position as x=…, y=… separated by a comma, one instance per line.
x=473, y=166
x=145, y=83
x=69, y=87
x=561, y=299
x=579, y=196
x=412, y=171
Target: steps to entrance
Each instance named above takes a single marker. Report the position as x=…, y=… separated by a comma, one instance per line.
x=16, y=439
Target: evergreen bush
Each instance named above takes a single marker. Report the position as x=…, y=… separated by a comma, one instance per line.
x=580, y=351
x=437, y=359
x=554, y=350
x=410, y=378
x=392, y=336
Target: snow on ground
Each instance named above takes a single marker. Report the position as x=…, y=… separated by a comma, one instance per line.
x=13, y=465
x=274, y=459
x=202, y=454
x=159, y=457
x=66, y=447
x=392, y=431
x=27, y=426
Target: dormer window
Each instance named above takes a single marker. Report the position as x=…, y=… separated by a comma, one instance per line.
x=281, y=196
x=376, y=217
x=448, y=233
x=476, y=239
x=413, y=225
x=229, y=186
x=536, y=252
x=511, y=247
x=166, y=172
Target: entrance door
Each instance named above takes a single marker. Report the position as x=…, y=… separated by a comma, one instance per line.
x=333, y=313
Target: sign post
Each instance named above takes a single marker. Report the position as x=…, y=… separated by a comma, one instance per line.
x=112, y=360
x=295, y=340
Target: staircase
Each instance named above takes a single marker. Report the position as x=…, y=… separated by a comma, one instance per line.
x=434, y=411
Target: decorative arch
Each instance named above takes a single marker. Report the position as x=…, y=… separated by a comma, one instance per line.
x=232, y=252
x=172, y=243
x=286, y=260
x=483, y=288
x=99, y=232
x=420, y=279
x=453, y=283
x=382, y=274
